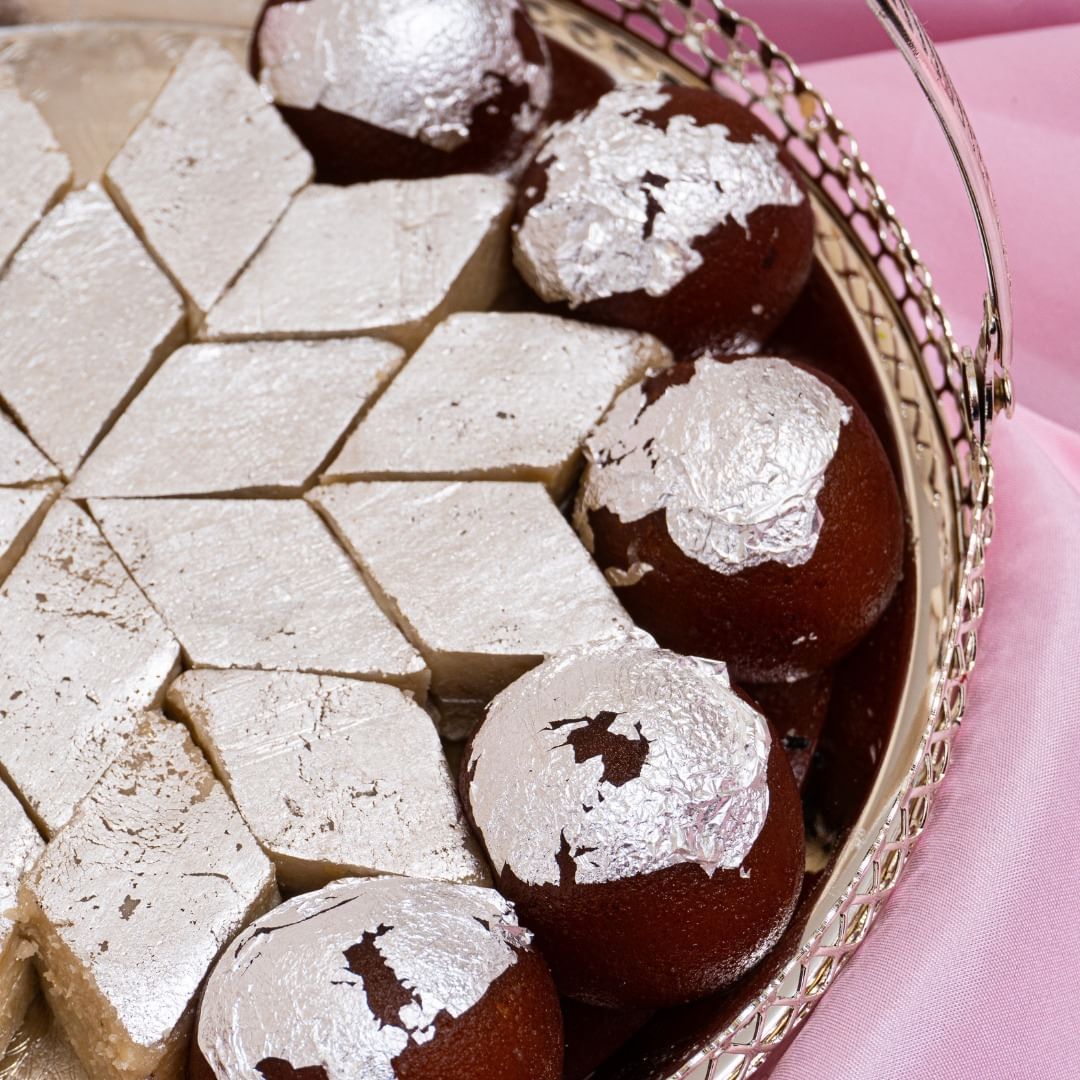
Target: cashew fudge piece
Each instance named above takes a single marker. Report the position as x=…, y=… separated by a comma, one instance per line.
x=255, y=417
x=391, y=259
x=335, y=777
x=85, y=317
x=500, y=396
x=133, y=901
x=82, y=655
x=20, y=846
x=208, y=172
x=34, y=171
x=21, y=512
x=21, y=462
x=257, y=584
x=487, y=578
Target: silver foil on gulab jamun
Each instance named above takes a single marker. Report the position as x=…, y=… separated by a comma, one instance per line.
x=290, y=987
x=624, y=759
x=626, y=199
x=735, y=457
x=419, y=70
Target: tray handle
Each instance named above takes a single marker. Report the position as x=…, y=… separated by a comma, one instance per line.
x=988, y=368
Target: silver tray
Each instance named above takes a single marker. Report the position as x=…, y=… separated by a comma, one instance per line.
x=93, y=66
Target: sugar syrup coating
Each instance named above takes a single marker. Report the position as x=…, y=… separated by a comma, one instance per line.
x=667, y=209
x=382, y=978
x=745, y=510
x=404, y=89
x=641, y=815
x=797, y=711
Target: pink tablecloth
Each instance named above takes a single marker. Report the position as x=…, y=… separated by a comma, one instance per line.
x=970, y=973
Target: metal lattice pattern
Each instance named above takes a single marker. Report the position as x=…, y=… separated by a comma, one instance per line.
x=714, y=45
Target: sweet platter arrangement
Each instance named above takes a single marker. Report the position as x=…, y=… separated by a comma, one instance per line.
x=492, y=517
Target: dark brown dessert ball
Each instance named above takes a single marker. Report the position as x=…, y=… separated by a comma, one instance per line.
x=667, y=209
x=576, y=82
x=402, y=89
x=382, y=978
x=744, y=510
x=797, y=712
x=643, y=819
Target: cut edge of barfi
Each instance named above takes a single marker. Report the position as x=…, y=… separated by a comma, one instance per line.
x=10, y=557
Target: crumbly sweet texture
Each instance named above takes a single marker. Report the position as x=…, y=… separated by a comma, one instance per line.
x=21, y=512
x=20, y=846
x=335, y=777
x=134, y=899
x=256, y=417
x=257, y=584
x=21, y=462
x=389, y=259
x=34, y=171
x=208, y=172
x=498, y=396
x=85, y=317
x=83, y=655
x=487, y=578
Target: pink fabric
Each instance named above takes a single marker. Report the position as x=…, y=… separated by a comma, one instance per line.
x=843, y=27
x=969, y=974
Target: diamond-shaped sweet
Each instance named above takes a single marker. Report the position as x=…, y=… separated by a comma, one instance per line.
x=486, y=577
x=85, y=316
x=134, y=899
x=257, y=584
x=21, y=462
x=391, y=259
x=82, y=655
x=21, y=512
x=500, y=396
x=20, y=846
x=254, y=417
x=34, y=171
x=208, y=172
x=335, y=777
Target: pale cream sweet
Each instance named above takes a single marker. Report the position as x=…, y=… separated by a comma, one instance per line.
x=257, y=584
x=391, y=259
x=135, y=898
x=21, y=512
x=21, y=462
x=34, y=171
x=334, y=777
x=507, y=396
x=208, y=172
x=253, y=417
x=85, y=316
x=20, y=846
x=486, y=577
x=84, y=654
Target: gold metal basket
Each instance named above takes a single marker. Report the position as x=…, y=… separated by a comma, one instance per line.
x=92, y=66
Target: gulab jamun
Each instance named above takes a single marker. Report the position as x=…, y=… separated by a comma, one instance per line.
x=382, y=978
x=668, y=209
x=744, y=510
x=403, y=89
x=643, y=819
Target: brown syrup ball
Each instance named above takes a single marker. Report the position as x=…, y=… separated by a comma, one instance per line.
x=744, y=510
x=797, y=712
x=643, y=819
x=576, y=82
x=403, y=89
x=667, y=209
x=381, y=978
